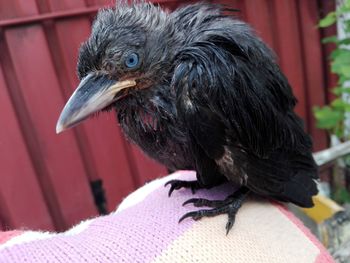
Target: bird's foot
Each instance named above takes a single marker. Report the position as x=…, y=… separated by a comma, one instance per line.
x=228, y=206
x=178, y=184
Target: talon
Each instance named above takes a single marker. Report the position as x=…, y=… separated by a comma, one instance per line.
x=229, y=226
x=178, y=184
x=194, y=215
x=171, y=190
x=193, y=190
x=192, y=200
x=200, y=202
x=174, y=186
x=231, y=218
x=184, y=217
x=170, y=182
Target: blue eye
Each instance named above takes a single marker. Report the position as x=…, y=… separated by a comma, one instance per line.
x=132, y=60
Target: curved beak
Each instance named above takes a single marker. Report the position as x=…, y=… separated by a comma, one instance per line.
x=94, y=93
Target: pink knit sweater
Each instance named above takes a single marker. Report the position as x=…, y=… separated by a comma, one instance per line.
x=145, y=229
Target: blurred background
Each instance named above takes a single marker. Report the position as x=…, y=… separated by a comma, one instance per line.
x=50, y=181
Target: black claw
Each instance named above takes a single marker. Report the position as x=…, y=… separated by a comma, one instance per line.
x=172, y=182
x=195, y=215
x=185, y=216
x=178, y=184
x=171, y=191
x=200, y=202
x=232, y=211
x=174, y=186
x=189, y=201
x=229, y=226
x=193, y=190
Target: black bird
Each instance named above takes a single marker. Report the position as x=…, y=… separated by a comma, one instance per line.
x=196, y=89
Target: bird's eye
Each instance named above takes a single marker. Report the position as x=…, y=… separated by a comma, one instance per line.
x=132, y=60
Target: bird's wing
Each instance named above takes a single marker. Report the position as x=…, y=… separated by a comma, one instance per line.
x=238, y=84
x=231, y=92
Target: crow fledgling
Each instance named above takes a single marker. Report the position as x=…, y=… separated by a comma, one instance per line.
x=196, y=89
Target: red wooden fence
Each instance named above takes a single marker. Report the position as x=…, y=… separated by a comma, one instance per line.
x=46, y=179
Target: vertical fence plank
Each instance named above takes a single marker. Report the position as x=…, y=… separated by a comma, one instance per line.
x=289, y=49
x=258, y=14
x=22, y=202
x=313, y=67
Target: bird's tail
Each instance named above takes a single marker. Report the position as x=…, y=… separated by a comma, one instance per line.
x=285, y=175
x=301, y=186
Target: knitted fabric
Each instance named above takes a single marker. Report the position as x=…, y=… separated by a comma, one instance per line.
x=145, y=228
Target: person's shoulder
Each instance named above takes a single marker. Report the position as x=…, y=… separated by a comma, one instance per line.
x=145, y=228
x=264, y=231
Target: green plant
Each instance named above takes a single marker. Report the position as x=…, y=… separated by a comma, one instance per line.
x=331, y=117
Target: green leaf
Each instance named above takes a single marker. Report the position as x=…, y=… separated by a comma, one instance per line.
x=328, y=20
x=345, y=70
x=343, y=9
x=340, y=53
x=332, y=39
x=337, y=91
x=342, y=69
x=347, y=3
x=344, y=41
x=340, y=90
x=342, y=79
x=328, y=118
x=340, y=105
x=341, y=62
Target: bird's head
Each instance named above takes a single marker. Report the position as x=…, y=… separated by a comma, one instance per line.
x=130, y=49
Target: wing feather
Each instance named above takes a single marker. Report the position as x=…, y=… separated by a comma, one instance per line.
x=231, y=93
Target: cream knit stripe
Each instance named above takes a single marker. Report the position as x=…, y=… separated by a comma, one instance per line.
x=261, y=234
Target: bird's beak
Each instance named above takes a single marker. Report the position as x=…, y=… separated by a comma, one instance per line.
x=94, y=93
